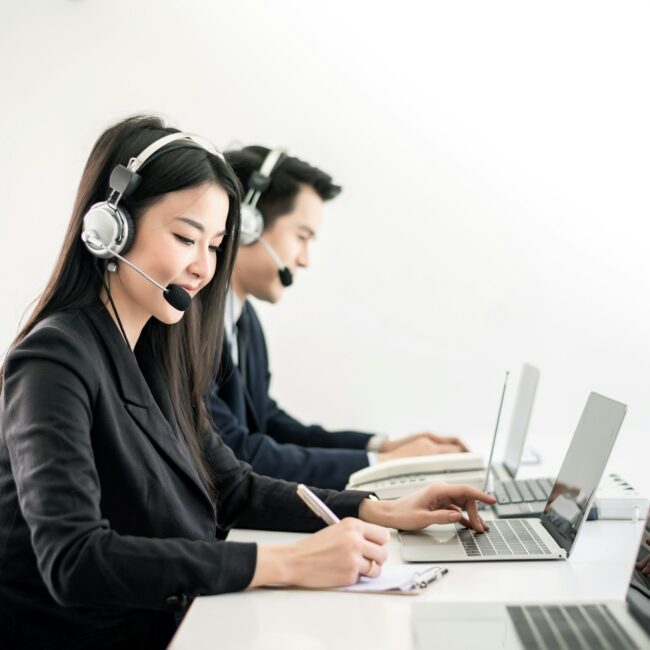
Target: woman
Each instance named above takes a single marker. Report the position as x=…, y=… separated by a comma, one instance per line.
x=115, y=493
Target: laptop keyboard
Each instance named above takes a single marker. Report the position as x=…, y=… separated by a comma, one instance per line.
x=522, y=491
x=505, y=537
x=569, y=626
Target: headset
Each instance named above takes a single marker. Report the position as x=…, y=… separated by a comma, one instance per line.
x=109, y=224
x=108, y=227
x=252, y=221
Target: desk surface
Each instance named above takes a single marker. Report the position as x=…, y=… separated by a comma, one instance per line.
x=598, y=569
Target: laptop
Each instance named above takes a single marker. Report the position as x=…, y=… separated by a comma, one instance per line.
x=550, y=537
x=520, y=498
x=615, y=497
x=613, y=625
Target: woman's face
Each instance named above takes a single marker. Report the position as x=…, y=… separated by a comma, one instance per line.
x=175, y=242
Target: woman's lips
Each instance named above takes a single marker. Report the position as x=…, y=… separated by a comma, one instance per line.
x=189, y=288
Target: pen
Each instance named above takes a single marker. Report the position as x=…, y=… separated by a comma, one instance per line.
x=316, y=505
x=424, y=582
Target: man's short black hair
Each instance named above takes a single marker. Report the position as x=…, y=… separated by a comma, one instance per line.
x=280, y=197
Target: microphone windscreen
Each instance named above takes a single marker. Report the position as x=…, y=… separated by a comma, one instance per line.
x=286, y=277
x=177, y=297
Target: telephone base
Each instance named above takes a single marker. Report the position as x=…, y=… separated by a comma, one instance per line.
x=399, y=486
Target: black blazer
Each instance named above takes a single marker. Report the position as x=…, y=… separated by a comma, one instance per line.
x=105, y=527
x=262, y=434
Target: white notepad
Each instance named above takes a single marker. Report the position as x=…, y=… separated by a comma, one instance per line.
x=398, y=579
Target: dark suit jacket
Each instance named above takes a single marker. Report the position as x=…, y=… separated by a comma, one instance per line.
x=105, y=525
x=262, y=434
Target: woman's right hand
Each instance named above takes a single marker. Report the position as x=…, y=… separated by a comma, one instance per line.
x=333, y=557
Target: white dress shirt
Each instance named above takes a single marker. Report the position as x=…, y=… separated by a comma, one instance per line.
x=234, y=308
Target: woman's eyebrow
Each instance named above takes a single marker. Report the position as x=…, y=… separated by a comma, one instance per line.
x=191, y=222
x=198, y=226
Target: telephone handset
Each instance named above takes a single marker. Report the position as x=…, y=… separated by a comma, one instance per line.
x=395, y=478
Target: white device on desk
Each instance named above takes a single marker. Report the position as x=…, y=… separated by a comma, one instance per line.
x=552, y=536
x=615, y=498
x=614, y=625
x=395, y=478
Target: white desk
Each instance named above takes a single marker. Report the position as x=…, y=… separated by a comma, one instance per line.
x=598, y=569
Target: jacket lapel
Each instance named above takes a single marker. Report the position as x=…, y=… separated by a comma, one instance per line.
x=154, y=415
x=230, y=374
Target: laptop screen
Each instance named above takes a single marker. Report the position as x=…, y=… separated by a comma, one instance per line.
x=520, y=418
x=582, y=468
x=638, y=593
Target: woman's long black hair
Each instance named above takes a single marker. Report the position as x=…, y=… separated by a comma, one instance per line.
x=189, y=349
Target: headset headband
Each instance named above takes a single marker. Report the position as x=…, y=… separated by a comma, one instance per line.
x=271, y=161
x=261, y=178
x=141, y=159
x=124, y=180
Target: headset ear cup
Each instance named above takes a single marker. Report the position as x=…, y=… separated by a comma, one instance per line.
x=112, y=226
x=252, y=225
x=129, y=227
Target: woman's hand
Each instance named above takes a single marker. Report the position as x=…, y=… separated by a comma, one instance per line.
x=333, y=557
x=440, y=503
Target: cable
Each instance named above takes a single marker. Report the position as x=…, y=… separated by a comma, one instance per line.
x=110, y=298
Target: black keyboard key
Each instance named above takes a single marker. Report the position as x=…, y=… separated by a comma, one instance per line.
x=577, y=626
x=522, y=528
x=623, y=634
x=545, y=630
x=523, y=628
x=576, y=615
x=500, y=494
x=563, y=626
x=608, y=630
x=504, y=538
x=538, y=491
x=536, y=537
x=546, y=485
x=524, y=490
x=513, y=494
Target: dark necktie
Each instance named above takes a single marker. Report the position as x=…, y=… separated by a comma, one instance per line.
x=243, y=339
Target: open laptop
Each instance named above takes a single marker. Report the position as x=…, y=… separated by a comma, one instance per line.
x=551, y=536
x=520, y=498
x=613, y=625
x=615, y=497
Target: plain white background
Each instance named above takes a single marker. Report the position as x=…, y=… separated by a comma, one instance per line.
x=495, y=164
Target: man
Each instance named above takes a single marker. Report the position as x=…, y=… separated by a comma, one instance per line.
x=281, y=214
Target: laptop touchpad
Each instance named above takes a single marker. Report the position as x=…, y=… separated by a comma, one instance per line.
x=438, y=536
x=462, y=633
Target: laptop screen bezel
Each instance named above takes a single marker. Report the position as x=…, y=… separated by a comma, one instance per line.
x=563, y=541
x=643, y=619
x=528, y=392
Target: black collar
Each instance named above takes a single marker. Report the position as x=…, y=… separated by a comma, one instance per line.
x=131, y=382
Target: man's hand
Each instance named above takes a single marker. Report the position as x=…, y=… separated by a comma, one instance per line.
x=440, y=503
x=451, y=441
x=419, y=444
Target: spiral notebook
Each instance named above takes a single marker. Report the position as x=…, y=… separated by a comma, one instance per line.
x=398, y=579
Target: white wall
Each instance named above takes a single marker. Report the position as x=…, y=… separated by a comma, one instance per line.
x=495, y=158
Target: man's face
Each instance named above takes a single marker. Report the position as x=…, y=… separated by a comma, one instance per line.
x=255, y=272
